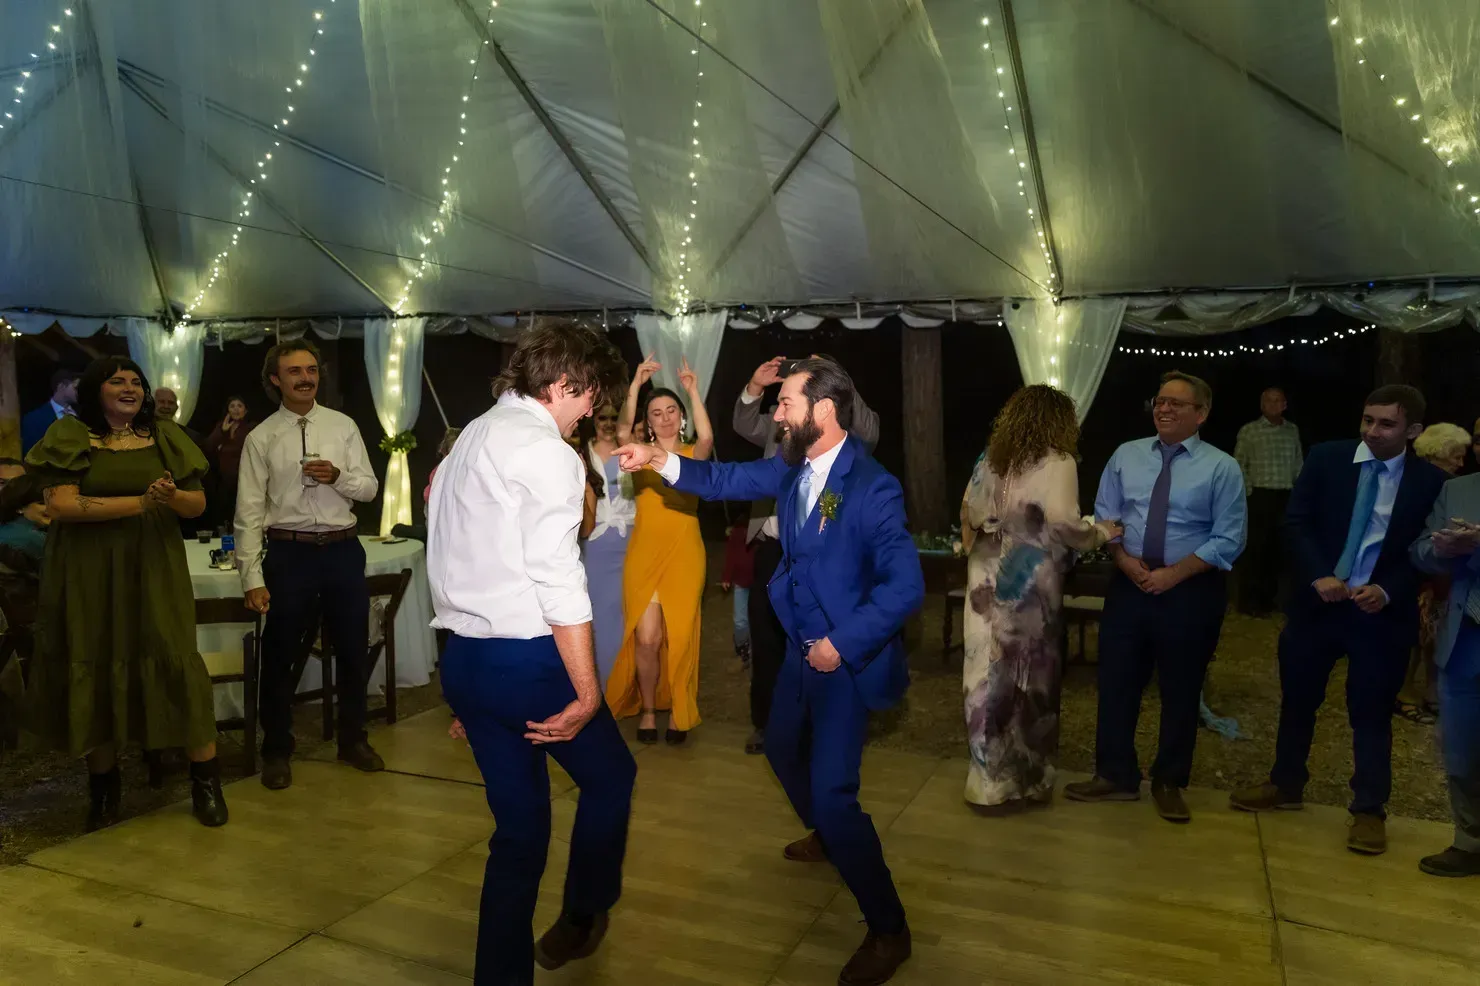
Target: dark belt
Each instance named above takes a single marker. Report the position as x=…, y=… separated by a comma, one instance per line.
x=319, y=538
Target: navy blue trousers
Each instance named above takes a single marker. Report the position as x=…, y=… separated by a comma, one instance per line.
x=495, y=687
x=814, y=740
x=308, y=582
x=1376, y=648
x=1459, y=734
x=1174, y=635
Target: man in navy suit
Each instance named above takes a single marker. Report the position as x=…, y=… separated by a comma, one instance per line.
x=1354, y=512
x=63, y=400
x=849, y=578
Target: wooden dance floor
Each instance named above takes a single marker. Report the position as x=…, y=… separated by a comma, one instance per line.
x=350, y=878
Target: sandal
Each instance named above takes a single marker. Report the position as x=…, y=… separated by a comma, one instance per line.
x=648, y=737
x=1414, y=713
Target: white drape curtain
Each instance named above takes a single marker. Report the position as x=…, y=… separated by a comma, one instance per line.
x=168, y=359
x=695, y=337
x=1065, y=345
x=393, y=350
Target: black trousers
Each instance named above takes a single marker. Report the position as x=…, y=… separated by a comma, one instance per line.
x=1262, y=564
x=767, y=639
x=1376, y=648
x=1174, y=635
x=305, y=582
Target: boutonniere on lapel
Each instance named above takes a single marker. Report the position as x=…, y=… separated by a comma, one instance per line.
x=828, y=505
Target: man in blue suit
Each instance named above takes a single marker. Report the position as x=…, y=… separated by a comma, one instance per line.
x=63, y=400
x=849, y=578
x=1354, y=512
x=1451, y=546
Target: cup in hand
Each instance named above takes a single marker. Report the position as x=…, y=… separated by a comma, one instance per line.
x=307, y=479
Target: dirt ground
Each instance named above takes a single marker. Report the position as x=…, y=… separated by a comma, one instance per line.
x=43, y=797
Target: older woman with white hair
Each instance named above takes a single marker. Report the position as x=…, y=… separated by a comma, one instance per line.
x=1444, y=445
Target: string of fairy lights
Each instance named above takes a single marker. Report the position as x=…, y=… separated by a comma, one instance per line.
x=437, y=228
x=1408, y=105
x=264, y=164
x=1336, y=335
x=684, y=293
x=55, y=34
x=1021, y=156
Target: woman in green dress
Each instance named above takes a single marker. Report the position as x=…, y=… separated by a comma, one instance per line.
x=116, y=660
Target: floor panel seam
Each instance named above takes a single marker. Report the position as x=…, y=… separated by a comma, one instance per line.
x=1276, y=941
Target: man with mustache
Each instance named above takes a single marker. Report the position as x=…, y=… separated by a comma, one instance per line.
x=849, y=578
x=767, y=639
x=302, y=470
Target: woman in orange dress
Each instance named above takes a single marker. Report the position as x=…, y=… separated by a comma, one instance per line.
x=663, y=579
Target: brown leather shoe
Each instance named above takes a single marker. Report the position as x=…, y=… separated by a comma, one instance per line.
x=807, y=850
x=1098, y=789
x=756, y=745
x=1263, y=797
x=876, y=960
x=361, y=756
x=276, y=774
x=1368, y=835
x=569, y=940
x=1169, y=803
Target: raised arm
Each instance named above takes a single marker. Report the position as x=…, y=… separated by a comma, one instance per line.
x=865, y=423
x=750, y=421
x=628, y=415
x=703, y=429
x=899, y=585
x=758, y=480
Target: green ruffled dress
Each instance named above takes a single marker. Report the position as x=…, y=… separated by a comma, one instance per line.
x=116, y=659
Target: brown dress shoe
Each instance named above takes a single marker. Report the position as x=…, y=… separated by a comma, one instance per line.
x=1263, y=797
x=1368, y=835
x=807, y=850
x=1169, y=803
x=876, y=960
x=569, y=940
x=361, y=756
x=276, y=773
x=1098, y=789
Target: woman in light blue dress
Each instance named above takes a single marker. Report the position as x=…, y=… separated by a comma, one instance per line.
x=605, y=548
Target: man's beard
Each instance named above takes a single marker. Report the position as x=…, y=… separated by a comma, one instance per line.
x=798, y=439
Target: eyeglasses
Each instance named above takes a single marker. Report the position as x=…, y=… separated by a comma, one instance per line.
x=1172, y=404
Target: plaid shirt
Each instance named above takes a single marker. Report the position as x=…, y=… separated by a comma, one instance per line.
x=1270, y=455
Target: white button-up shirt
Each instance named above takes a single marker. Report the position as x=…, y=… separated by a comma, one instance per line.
x=271, y=489
x=503, y=557
x=1389, y=478
x=821, y=466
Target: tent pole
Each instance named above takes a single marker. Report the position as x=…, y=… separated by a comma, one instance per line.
x=1019, y=80
x=552, y=128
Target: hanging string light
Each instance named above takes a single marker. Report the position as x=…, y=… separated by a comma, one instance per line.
x=437, y=228
x=1020, y=156
x=264, y=163
x=689, y=218
x=1407, y=105
x=55, y=34
x=1242, y=350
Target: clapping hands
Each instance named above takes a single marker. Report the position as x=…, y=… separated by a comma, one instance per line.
x=162, y=490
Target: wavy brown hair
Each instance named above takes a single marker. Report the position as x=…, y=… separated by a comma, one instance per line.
x=587, y=361
x=1035, y=421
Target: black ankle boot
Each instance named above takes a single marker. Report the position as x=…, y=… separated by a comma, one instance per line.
x=154, y=761
x=105, y=791
x=207, y=801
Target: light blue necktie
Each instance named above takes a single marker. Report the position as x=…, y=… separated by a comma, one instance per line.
x=1361, y=517
x=804, y=494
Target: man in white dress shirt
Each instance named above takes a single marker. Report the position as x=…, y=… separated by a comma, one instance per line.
x=520, y=670
x=302, y=470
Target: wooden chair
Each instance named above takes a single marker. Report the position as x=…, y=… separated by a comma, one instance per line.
x=945, y=575
x=229, y=667
x=393, y=588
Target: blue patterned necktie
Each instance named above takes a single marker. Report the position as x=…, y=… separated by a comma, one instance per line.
x=1361, y=517
x=804, y=494
x=1154, y=541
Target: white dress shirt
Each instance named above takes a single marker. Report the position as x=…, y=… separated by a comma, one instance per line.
x=821, y=466
x=616, y=508
x=270, y=486
x=61, y=410
x=503, y=557
x=1389, y=477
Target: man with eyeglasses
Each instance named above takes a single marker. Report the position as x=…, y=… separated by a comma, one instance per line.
x=1181, y=502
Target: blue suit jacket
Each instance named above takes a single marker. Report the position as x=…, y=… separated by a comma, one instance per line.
x=1320, y=512
x=1459, y=498
x=862, y=569
x=34, y=425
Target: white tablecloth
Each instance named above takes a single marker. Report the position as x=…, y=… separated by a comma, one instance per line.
x=416, y=643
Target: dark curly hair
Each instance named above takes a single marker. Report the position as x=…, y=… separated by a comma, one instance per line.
x=90, y=395
x=587, y=360
x=1035, y=421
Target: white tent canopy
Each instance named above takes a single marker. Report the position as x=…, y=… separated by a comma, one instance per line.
x=847, y=150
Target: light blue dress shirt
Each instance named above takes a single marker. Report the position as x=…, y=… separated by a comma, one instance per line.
x=1388, y=481
x=1206, y=516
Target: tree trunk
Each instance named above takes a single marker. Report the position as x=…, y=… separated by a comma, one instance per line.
x=10, y=398
x=924, y=435
x=1398, y=358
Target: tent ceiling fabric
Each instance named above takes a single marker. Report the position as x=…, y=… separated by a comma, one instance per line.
x=848, y=150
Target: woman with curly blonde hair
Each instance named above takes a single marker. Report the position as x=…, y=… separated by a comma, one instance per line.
x=1020, y=525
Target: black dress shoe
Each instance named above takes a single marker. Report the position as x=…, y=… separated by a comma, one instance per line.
x=570, y=939
x=105, y=793
x=1451, y=862
x=361, y=756
x=207, y=802
x=276, y=773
